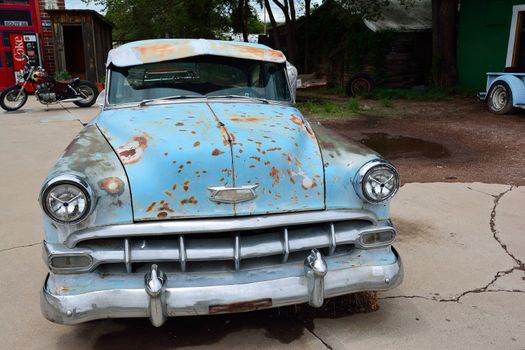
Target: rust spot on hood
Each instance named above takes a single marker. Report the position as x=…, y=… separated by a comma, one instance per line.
x=274, y=173
x=308, y=183
x=162, y=215
x=151, y=206
x=216, y=152
x=112, y=185
x=196, y=144
x=132, y=151
x=190, y=200
x=299, y=121
x=186, y=185
x=245, y=120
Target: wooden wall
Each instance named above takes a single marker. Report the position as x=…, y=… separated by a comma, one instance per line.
x=96, y=36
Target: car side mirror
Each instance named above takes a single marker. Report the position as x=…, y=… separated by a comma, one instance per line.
x=101, y=99
x=292, y=79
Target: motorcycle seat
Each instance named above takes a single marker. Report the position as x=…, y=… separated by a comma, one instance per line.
x=69, y=81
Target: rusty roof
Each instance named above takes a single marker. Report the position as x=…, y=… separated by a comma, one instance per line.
x=149, y=51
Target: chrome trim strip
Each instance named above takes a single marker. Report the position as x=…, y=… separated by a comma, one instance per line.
x=214, y=225
x=197, y=300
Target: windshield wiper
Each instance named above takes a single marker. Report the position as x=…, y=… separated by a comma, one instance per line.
x=260, y=99
x=176, y=97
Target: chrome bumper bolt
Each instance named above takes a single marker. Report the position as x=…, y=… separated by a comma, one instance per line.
x=315, y=270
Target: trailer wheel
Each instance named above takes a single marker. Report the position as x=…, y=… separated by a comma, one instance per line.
x=359, y=84
x=500, y=98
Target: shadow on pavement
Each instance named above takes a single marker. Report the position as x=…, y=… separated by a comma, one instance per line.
x=283, y=324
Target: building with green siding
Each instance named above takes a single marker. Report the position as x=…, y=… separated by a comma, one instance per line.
x=486, y=42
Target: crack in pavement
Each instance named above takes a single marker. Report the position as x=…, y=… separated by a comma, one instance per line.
x=492, y=224
x=20, y=246
x=328, y=346
x=478, y=191
x=484, y=289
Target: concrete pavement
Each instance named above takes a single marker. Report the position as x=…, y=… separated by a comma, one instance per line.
x=463, y=246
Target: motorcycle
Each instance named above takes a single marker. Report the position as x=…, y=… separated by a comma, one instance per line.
x=47, y=90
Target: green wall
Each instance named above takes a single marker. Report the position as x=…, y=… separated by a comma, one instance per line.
x=483, y=35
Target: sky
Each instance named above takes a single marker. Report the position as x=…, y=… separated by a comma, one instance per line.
x=78, y=4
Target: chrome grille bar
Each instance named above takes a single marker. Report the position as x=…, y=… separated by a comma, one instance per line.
x=333, y=241
x=286, y=245
x=182, y=253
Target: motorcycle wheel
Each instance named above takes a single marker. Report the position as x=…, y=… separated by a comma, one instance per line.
x=88, y=91
x=13, y=98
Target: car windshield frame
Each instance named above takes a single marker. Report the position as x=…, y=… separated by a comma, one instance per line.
x=267, y=73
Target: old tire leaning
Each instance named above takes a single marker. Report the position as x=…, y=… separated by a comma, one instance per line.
x=10, y=95
x=500, y=98
x=359, y=84
x=89, y=90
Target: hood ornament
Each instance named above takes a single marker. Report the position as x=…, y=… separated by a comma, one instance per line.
x=223, y=194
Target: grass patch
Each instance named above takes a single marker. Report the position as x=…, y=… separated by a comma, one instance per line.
x=420, y=94
x=423, y=94
x=330, y=109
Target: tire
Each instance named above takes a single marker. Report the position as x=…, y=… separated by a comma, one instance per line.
x=500, y=98
x=87, y=88
x=6, y=98
x=359, y=84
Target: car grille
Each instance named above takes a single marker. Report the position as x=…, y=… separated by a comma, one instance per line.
x=227, y=250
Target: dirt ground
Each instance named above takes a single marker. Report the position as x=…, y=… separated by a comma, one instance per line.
x=456, y=140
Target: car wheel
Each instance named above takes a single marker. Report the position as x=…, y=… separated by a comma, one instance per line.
x=359, y=84
x=500, y=98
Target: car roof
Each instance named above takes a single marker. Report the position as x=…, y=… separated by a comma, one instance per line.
x=157, y=50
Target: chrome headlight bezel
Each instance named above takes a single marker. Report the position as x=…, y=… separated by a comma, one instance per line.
x=72, y=180
x=365, y=171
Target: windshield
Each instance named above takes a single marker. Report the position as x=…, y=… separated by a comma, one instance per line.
x=199, y=76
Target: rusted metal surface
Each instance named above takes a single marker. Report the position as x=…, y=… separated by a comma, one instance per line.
x=140, y=52
x=92, y=158
x=173, y=153
x=273, y=147
x=342, y=160
x=243, y=306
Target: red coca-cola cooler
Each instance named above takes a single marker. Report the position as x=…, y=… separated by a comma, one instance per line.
x=24, y=44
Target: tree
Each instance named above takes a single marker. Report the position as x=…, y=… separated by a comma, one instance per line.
x=288, y=9
x=145, y=19
x=444, y=39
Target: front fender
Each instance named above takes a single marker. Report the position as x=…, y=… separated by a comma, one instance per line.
x=90, y=157
x=342, y=160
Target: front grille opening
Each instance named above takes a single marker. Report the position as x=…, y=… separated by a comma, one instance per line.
x=217, y=252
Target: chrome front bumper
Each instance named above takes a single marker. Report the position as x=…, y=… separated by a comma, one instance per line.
x=158, y=296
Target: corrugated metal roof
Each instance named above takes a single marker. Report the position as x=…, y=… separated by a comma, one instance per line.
x=399, y=18
x=149, y=51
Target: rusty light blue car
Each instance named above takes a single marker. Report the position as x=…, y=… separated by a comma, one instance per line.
x=200, y=189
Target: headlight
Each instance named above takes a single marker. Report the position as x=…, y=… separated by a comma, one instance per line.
x=377, y=181
x=66, y=199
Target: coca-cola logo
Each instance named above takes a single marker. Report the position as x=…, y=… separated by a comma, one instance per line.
x=19, y=50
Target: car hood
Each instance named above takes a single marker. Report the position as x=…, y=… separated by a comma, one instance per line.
x=173, y=154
